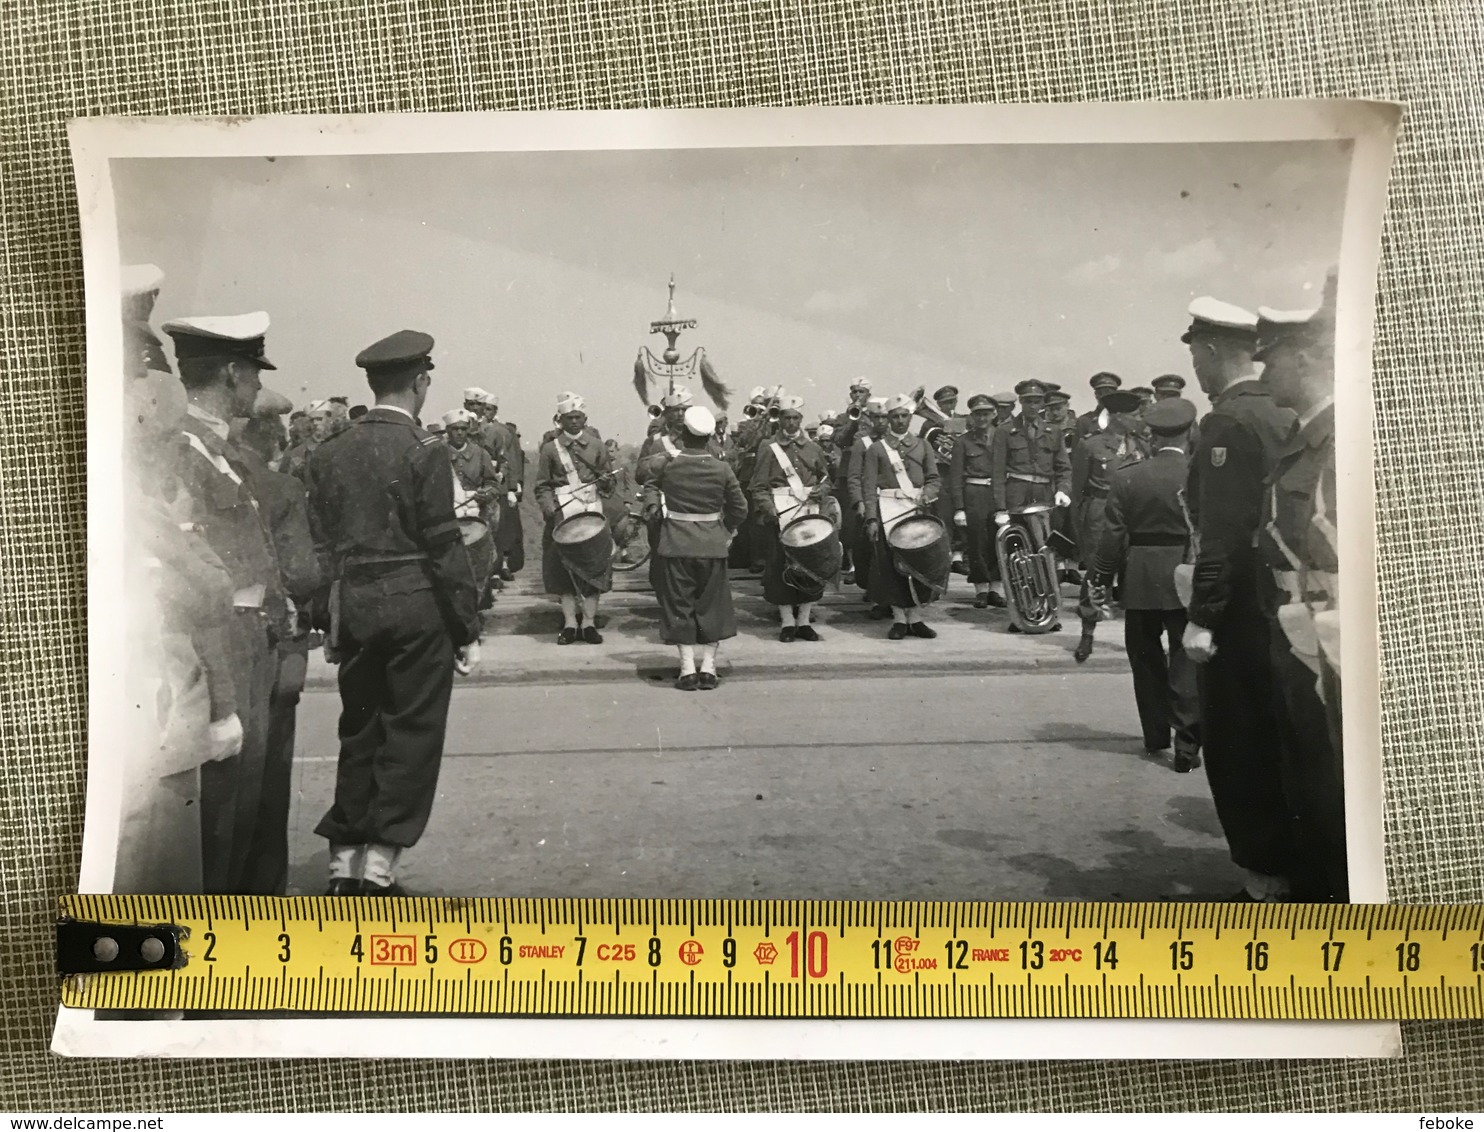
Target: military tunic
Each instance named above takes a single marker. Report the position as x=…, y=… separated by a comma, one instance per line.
x=971, y=490
x=475, y=473
x=888, y=585
x=854, y=531
x=1241, y=439
x=226, y=511
x=1143, y=535
x=295, y=462
x=594, y=465
x=698, y=504
x=812, y=469
x=1298, y=582
x=403, y=599
x=510, y=539
x=1029, y=464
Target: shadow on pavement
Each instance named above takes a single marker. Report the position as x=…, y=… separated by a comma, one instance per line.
x=1141, y=867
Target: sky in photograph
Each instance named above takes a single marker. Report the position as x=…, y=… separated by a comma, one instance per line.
x=976, y=266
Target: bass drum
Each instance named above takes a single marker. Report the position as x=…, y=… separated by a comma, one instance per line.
x=811, y=544
x=585, y=545
x=921, y=551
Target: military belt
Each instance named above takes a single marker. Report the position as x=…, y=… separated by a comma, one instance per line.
x=709, y=517
x=352, y=560
x=1028, y=477
x=1158, y=540
x=979, y=481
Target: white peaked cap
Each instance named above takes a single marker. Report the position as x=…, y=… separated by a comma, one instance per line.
x=317, y=407
x=457, y=416
x=699, y=421
x=861, y=383
x=140, y=279
x=826, y=431
x=790, y=404
x=1218, y=313
x=475, y=394
x=570, y=403
x=876, y=404
x=900, y=401
x=1285, y=318
x=758, y=394
x=679, y=399
x=232, y=327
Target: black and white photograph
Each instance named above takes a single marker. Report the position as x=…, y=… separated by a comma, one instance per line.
x=922, y=504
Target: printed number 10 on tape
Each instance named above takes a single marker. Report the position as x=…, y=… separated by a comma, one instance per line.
x=797, y=959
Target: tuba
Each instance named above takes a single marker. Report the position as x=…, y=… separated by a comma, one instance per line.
x=1028, y=567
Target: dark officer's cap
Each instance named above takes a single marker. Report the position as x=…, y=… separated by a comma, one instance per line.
x=1005, y=399
x=1142, y=391
x=981, y=401
x=1051, y=387
x=237, y=337
x=1122, y=401
x=1058, y=396
x=1030, y=387
x=1168, y=381
x=1105, y=380
x=404, y=350
x=1170, y=417
x=945, y=393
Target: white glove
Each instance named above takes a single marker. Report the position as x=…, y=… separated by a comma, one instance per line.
x=960, y=519
x=1199, y=644
x=1063, y=499
x=224, y=738
x=1001, y=518
x=510, y=497
x=466, y=658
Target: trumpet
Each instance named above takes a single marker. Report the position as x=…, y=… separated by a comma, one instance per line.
x=752, y=410
x=854, y=413
x=656, y=411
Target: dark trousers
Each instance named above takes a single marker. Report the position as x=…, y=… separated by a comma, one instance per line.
x=267, y=864
x=979, y=535
x=510, y=538
x=395, y=683
x=695, y=600
x=1164, y=681
x=232, y=789
x=1239, y=729
x=1313, y=778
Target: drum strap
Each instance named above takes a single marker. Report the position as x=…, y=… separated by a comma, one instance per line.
x=796, y=487
x=573, y=476
x=669, y=446
x=898, y=468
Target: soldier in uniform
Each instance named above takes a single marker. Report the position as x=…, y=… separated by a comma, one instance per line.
x=1144, y=536
x=666, y=439
x=510, y=535
x=695, y=502
x=971, y=492
x=902, y=472
x=853, y=464
x=1145, y=395
x=1227, y=634
x=1296, y=541
x=574, y=473
x=476, y=495
x=790, y=480
x=1094, y=460
x=1004, y=407
x=1029, y=465
x=402, y=615
x=282, y=501
x=1168, y=386
x=219, y=361
x=1095, y=420
x=316, y=429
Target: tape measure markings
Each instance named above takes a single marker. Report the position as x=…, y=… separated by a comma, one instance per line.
x=804, y=958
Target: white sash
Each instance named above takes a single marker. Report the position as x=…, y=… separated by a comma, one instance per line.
x=793, y=501
x=575, y=497
x=896, y=503
x=669, y=445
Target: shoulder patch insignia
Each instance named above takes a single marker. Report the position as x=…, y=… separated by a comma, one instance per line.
x=1218, y=457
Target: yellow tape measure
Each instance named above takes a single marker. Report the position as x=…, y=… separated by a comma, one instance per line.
x=775, y=959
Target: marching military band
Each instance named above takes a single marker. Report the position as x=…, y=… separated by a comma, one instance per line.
x=357, y=526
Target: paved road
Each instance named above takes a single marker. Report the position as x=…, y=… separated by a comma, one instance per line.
x=987, y=787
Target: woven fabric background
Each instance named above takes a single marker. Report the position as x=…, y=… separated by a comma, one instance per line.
x=62, y=59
